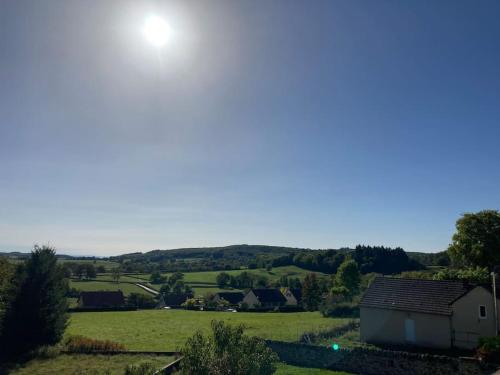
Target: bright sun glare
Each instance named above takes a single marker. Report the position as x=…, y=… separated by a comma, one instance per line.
x=156, y=31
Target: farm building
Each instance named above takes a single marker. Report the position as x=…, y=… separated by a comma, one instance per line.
x=428, y=313
x=101, y=300
x=293, y=296
x=176, y=300
x=234, y=298
x=264, y=298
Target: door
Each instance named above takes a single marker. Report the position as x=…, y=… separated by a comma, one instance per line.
x=410, y=330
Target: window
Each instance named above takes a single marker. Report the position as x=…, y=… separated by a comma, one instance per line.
x=482, y=312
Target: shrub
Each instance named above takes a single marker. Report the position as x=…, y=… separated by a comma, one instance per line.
x=140, y=301
x=190, y=304
x=340, y=310
x=47, y=352
x=227, y=351
x=489, y=349
x=80, y=344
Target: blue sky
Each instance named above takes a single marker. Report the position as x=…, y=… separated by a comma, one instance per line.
x=312, y=124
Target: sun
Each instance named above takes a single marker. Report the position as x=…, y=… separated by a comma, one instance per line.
x=156, y=31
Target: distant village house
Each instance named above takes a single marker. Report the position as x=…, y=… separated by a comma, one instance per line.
x=233, y=298
x=293, y=296
x=264, y=298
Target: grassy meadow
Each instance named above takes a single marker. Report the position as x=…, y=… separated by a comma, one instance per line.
x=205, y=282
x=167, y=330
x=209, y=277
x=284, y=369
x=109, y=265
x=90, y=286
x=87, y=364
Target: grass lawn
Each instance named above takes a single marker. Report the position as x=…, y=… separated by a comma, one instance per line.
x=284, y=369
x=86, y=364
x=90, y=286
x=168, y=329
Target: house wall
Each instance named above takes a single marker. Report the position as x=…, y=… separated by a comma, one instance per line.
x=388, y=326
x=290, y=298
x=466, y=324
x=251, y=300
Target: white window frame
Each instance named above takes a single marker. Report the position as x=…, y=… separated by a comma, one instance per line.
x=485, y=313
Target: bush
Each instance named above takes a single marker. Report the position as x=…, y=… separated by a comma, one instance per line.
x=190, y=304
x=46, y=352
x=227, y=351
x=81, y=344
x=489, y=349
x=140, y=301
x=340, y=310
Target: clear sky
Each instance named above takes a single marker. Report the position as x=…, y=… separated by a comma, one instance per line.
x=314, y=124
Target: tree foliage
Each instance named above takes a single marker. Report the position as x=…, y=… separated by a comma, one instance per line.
x=474, y=275
x=223, y=279
x=311, y=292
x=227, y=351
x=6, y=273
x=476, y=242
x=348, y=278
x=36, y=312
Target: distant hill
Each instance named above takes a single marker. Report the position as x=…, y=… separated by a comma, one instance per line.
x=370, y=259
x=226, y=252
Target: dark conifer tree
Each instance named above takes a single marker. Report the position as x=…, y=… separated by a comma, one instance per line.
x=37, y=310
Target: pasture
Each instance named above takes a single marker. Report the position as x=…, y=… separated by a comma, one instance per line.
x=206, y=282
x=167, y=330
x=109, y=265
x=86, y=364
x=92, y=286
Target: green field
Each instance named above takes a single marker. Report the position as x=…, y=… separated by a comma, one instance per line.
x=86, y=364
x=202, y=283
x=205, y=282
x=91, y=286
x=96, y=262
x=83, y=364
x=209, y=277
x=167, y=330
x=293, y=370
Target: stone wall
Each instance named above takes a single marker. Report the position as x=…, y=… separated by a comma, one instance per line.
x=373, y=362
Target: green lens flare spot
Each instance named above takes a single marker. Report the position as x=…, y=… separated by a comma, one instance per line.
x=335, y=346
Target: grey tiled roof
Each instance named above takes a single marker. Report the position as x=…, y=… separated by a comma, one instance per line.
x=426, y=296
x=102, y=299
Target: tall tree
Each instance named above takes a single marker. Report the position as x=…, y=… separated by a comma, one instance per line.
x=6, y=273
x=311, y=293
x=348, y=277
x=476, y=243
x=90, y=271
x=223, y=279
x=37, y=313
x=116, y=274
